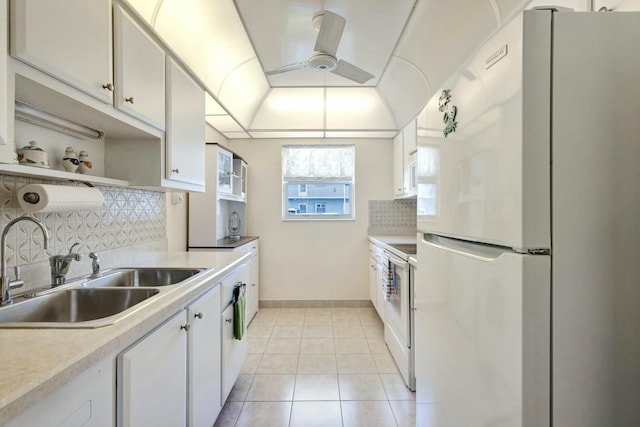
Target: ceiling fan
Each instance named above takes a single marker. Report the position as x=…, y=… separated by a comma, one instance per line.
x=323, y=59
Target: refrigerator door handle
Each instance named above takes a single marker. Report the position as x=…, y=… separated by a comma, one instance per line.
x=478, y=251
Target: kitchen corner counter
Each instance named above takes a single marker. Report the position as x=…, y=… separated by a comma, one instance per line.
x=229, y=243
x=40, y=361
x=386, y=239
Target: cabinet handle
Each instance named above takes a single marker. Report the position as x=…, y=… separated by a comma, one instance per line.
x=198, y=315
x=399, y=189
x=176, y=170
x=186, y=327
x=108, y=86
x=228, y=320
x=253, y=284
x=129, y=99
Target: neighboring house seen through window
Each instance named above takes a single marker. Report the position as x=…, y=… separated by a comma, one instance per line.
x=318, y=182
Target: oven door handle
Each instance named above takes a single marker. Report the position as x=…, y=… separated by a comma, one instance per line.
x=398, y=263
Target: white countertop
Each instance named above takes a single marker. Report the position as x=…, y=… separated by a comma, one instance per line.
x=37, y=362
x=385, y=240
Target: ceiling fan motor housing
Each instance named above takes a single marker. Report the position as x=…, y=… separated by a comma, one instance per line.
x=324, y=62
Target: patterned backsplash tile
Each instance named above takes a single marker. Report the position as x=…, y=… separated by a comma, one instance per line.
x=392, y=216
x=129, y=217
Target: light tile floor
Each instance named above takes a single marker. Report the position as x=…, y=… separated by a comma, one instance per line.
x=325, y=367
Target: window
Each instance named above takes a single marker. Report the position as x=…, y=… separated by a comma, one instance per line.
x=318, y=182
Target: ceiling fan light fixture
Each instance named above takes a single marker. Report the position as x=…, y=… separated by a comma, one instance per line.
x=323, y=62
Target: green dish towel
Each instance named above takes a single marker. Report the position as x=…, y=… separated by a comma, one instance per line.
x=238, y=314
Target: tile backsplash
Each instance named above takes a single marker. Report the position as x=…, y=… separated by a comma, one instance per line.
x=129, y=217
x=392, y=216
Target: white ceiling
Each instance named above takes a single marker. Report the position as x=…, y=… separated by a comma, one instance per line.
x=410, y=46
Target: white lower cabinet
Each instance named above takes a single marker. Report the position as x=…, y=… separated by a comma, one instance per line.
x=171, y=377
x=376, y=269
x=152, y=378
x=253, y=286
x=87, y=401
x=373, y=276
x=234, y=352
x=204, y=359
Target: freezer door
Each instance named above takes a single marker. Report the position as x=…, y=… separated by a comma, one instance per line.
x=488, y=179
x=482, y=332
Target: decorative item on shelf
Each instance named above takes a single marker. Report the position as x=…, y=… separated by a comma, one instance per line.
x=85, y=163
x=234, y=225
x=70, y=160
x=33, y=155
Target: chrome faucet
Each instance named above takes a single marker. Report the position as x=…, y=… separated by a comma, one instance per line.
x=6, y=284
x=60, y=265
x=95, y=264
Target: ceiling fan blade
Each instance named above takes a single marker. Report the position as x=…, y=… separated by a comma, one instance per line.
x=287, y=68
x=352, y=72
x=330, y=33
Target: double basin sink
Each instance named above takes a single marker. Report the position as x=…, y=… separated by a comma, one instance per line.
x=93, y=302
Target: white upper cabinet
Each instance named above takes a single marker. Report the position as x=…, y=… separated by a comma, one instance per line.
x=68, y=39
x=405, y=161
x=139, y=71
x=185, y=127
x=4, y=134
x=410, y=156
x=398, y=166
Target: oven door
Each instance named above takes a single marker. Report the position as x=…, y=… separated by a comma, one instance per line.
x=397, y=310
x=397, y=317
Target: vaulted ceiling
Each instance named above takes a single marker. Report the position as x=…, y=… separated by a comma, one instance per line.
x=409, y=46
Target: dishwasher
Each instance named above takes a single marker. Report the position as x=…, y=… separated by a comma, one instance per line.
x=234, y=351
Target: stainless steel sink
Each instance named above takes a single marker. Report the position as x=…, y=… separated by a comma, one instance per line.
x=143, y=277
x=74, y=308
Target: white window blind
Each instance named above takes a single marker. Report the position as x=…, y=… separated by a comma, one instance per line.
x=318, y=162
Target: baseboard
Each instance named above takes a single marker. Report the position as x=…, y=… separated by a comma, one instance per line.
x=315, y=304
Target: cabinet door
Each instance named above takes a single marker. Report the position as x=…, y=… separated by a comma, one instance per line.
x=139, y=71
x=185, y=127
x=4, y=134
x=373, y=282
x=398, y=166
x=152, y=378
x=68, y=39
x=87, y=400
x=410, y=156
x=243, y=180
x=253, y=288
x=204, y=359
x=225, y=171
x=233, y=353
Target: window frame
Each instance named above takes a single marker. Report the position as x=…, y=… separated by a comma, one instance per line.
x=302, y=181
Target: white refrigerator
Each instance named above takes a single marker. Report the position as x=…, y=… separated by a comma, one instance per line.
x=527, y=299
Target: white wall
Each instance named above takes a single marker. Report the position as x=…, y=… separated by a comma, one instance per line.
x=312, y=260
x=176, y=222
x=618, y=5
